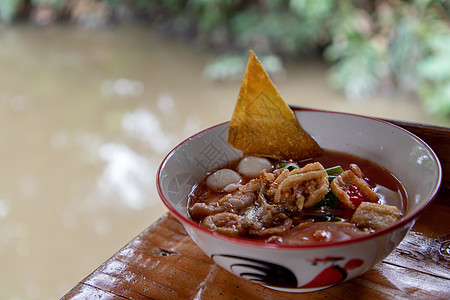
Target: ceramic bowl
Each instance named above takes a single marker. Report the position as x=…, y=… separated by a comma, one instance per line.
x=308, y=267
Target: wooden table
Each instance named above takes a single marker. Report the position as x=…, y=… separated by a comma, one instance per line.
x=163, y=262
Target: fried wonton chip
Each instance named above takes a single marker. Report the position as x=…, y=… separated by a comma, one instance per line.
x=263, y=124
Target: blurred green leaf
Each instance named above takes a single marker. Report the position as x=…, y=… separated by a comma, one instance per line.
x=8, y=10
x=435, y=67
x=54, y=3
x=232, y=66
x=405, y=51
x=356, y=72
x=314, y=10
x=437, y=100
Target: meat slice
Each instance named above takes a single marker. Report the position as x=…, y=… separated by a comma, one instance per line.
x=233, y=202
x=202, y=209
x=264, y=218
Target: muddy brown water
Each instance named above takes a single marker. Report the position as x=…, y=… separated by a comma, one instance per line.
x=85, y=119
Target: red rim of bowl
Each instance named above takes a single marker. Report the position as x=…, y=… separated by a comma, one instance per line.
x=249, y=242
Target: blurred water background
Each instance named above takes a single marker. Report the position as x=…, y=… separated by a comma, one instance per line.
x=93, y=94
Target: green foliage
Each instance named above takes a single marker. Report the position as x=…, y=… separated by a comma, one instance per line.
x=434, y=75
x=381, y=46
x=283, y=27
x=375, y=46
x=398, y=44
x=232, y=66
x=54, y=3
x=356, y=70
x=8, y=10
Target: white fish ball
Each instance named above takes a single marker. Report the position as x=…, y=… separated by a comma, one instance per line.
x=252, y=166
x=221, y=178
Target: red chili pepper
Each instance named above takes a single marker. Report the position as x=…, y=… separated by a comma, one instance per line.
x=355, y=196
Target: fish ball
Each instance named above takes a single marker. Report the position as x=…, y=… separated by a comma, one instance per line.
x=252, y=166
x=222, y=178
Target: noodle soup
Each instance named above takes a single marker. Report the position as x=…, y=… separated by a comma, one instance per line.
x=327, y=199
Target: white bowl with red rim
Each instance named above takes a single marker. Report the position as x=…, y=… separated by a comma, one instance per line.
x=305, y=268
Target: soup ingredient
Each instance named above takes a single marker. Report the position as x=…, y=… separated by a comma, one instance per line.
x=222, y=178
x=225, y=223
x=351, y=188
x=263, y=124
x=306, y=186
x=334, y=170
x=290, y=166
x=232, y=202
x=263, y=206
x=375, y=216
x=251, y=166
x=295, y=203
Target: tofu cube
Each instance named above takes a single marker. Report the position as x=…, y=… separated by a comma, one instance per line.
x=375, y=216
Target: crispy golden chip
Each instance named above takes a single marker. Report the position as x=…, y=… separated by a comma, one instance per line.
x=263, y=124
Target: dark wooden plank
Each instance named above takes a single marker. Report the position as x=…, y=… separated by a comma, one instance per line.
x=421, y=254
x=438, y=138
x=387, y=281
